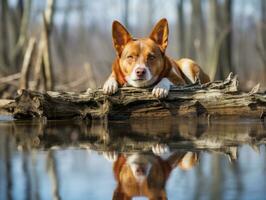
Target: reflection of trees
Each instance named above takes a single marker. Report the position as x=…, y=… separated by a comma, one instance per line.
x=237, y=176
x=27, y=174
x=217, y=179
x=7, y=156
x=214, y=185
x=199, y=182
x=52, y=172
x=194, y=135
x=132, y=135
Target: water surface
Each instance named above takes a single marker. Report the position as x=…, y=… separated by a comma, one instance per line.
x=67, y=160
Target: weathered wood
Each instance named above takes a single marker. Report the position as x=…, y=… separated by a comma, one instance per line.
x=215, y=99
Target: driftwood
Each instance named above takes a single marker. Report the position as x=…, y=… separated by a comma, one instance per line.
x=214, y=99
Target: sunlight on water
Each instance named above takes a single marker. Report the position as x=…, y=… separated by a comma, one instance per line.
x=6, y=118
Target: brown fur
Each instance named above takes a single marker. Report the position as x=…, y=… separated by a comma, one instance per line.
x=153, y=187
x=131, y=51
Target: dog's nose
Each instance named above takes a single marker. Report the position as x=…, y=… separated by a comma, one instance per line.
x=140, y=171
x=140, y=72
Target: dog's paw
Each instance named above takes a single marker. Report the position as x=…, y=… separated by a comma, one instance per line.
x=161, y=150
x=161, y=90
x=110, y=86
x=111, y=156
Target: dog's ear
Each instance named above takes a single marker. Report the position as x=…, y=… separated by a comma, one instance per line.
x=162, y=196
x=118, y=164
x=188, y=161
x=119, y=194
x=120, y=37
x=160, y=33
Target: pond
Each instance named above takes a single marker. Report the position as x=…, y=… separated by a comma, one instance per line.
x=176, y=158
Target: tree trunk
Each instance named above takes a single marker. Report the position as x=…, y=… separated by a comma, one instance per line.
x=5, y=48
x=225, y=64
x=211, y=34
x=263, y=16
x=181, y=29
x=43, y=61
x=196, y=33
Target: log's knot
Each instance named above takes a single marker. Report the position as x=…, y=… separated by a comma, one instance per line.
x=28, y=105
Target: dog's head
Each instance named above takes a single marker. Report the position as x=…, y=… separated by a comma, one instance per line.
x=146, y=174
x=140, y=175
x=141, y=60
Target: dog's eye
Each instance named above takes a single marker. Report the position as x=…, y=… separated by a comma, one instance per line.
x=129, y=57
x=151, y=57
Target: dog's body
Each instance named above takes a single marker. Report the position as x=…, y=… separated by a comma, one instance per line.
x=143, y=63
x=147, y=174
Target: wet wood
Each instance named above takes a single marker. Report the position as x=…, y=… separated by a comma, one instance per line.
x=215, y=99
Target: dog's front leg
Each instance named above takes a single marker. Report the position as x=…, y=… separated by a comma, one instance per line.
x=161, y=90
x=111, y=156
x=110, y=86
x=161, y=150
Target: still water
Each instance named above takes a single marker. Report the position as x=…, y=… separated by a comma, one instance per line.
x=161, y=158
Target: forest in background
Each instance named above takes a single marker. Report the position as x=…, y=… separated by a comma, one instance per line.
x=69, y=42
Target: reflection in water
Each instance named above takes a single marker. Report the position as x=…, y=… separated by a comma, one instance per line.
x=146, y=175
x=71, y=160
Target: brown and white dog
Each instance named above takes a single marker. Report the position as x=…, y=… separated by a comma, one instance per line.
x=146, y=175
x=143, y=62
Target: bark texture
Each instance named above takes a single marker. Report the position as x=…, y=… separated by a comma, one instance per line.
x=214, y=99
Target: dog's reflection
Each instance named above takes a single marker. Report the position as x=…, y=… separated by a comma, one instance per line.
x=141, y=174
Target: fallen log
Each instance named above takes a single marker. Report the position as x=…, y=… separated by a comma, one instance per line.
x=214, y=99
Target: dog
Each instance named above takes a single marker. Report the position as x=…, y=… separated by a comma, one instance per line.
x=141, y=174
x=143, y=62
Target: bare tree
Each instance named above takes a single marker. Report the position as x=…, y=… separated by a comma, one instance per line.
x=219, y=39
x=196, y=44
x=224, y=20
x=261, y=43
x=263, y=13
x=43, y=61
x=14, y=28
x=5, y=60
x=181, y=28
x=24, y=10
